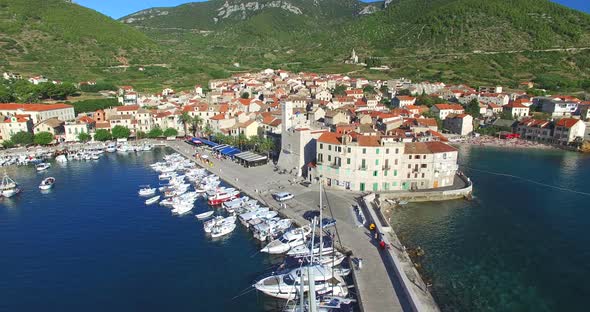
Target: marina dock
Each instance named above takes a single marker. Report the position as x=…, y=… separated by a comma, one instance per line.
x=378, y=287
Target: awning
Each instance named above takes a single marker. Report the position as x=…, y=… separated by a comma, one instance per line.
x=207, y=142
x=229, y=151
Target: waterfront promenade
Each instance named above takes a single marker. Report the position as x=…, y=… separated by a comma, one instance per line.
x=378, y=287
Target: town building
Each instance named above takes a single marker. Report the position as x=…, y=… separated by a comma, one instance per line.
x=461, y=124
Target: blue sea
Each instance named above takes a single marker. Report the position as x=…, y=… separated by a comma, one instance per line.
x=522, y=243
x=91, y=244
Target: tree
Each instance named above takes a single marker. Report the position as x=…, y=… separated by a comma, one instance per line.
x=155, y=133
x=43, y=138
x=369, y=90
x=102, y=135
x=8, y=144
x=140, y=135
x=196, y=124
x=340, y=90
x=403, y=92
x=507, y=115
x=22, y=138
x=241, y=140
x=473, y=108
x=170, y=132
x=245, y=95
x=207, y=130
x=84, y=137
x=120, y=132
x=266, y=146
x=185, y=119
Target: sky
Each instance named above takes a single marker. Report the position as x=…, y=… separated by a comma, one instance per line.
x=120, y=8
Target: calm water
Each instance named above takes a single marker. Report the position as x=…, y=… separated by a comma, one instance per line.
x=518, y=246
x=92, y=245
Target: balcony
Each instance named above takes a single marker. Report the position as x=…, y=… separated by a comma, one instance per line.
x=386, y=167
x=335, y=165
x=363, y=168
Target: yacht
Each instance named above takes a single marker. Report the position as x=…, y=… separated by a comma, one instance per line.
x=181, y=208
x=42, y=166
x=205, y=215
x=8, y=187
x=147, y=191
x=325, y=247
x=288, y=285
x=290, y=239
x=47, y=183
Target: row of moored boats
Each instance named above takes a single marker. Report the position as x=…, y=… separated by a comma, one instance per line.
x=308, y=256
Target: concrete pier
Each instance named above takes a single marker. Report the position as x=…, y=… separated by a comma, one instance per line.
x=378, y=287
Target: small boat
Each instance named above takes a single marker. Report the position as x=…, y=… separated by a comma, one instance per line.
x=205, y=215
x=61, y=159
x=147, y=191
x=289, y=240
x=152, y=200
x=217, y=221
x=223, y=229
x=111, y=148
x=47, y=183
x=8, y=187
x=222, y=197
x=42, y=166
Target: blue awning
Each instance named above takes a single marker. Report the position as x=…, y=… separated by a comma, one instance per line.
x=207, y=142
x=229, y=151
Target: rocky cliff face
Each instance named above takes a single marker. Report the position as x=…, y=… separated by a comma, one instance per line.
x=242, y=10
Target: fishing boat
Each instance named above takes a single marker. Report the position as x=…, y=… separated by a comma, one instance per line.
x=8, y=187
x=222, y=229
x=290, y=239
x=152, y=200
x=146, y=191
x=47, y=183
x=205, y=215
x=222, y=197
x=42, y=166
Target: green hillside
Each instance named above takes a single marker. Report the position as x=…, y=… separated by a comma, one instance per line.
x=66, y=41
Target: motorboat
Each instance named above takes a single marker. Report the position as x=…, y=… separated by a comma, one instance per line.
x=236, y=203
x=222, y=229
x=147, y=191
x=217, y=221
x=42, y=166
x=124, y=148
x=152, y=200
x=288, y=285
x=205, y=215
x=221, y=197
x=293, y=238
x=181, y=208
x=111, y=148
x=8, y=187
x=61, y=159
x=47, y=183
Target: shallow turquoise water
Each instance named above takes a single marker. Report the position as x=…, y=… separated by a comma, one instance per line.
x=92, y=245
x=519, y=245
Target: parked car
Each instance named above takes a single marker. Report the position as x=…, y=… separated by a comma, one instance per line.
x=282, y=196
x=328, y=222
x=310, y=214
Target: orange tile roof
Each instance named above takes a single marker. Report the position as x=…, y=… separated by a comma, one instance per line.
x=33, y=107
x=449, y=106
x=218, y=117
x=127, y=108
x=567, y=122
x=367, y=140
x=329, y=138
x=428, y=148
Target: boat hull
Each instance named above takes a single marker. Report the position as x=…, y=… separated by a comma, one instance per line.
x=219, y=201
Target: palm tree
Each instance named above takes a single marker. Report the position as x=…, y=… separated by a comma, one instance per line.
x=241, y=140
x=266, y=146
x=196, y=123
x=185, y=119
x=207, y=131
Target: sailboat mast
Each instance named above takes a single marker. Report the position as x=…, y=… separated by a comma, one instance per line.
x=320, y=222
x=311, y=278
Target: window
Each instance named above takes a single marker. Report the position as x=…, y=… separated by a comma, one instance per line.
x=386, y=151
x=385, y=173
x=423, y=176
x=348, y=161
x=444, y=155
x=375, y=173
x=321, y=146
x=394, y=183
x=415, y=176
x=410, y=157
x=409, y=166
x=376, y=162
x=320, y=157
x=339, y=148
x=329, y=147
x=363, y=165
x=329, y=158
x=397, y=150
x=395, y=162
x=377, y=151
x=424, y=165
x=395, y=173
x=408, y=175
